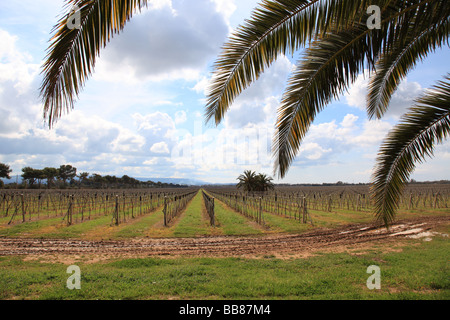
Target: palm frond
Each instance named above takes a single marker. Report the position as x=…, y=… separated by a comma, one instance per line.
x=275, y=28
x=410, y=142
x=72, y=52
x=424, y=35
x=330, y=64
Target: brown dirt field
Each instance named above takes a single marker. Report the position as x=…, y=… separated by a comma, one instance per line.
x=354, y=238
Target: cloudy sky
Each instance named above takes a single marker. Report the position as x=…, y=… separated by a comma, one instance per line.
x=141, y=113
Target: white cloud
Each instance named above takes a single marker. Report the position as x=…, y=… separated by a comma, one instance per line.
x=222, y=149
x=349, y=121
x=128, y=142
x=150, y=162
x=156, y=122
x=258, y=103
x=401, y=100
x=160, y=4
x=180, y=117
x=225, y=7
x=202, y=85
x=404, y=98
x=313, y=151
x=166, y=43
x=167, y=103
x=357, y=93
x=160, y=147
x=16, y=66
x=373, y=134
x=92, y=134
x=18, y=100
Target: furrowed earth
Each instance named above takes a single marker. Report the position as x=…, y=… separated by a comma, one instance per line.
x=348, y=238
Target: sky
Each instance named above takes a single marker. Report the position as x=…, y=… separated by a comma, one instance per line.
x=141, y=113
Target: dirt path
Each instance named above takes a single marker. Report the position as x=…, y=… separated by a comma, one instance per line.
x=223, y=246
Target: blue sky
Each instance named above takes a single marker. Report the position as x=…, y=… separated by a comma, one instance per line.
x=141, y=113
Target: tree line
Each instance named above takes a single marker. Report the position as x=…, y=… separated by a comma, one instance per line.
x=66, y=176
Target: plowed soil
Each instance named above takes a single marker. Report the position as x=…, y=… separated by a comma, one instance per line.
x=279, y=245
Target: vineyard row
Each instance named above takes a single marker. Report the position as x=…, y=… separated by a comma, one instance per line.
x=81, y=206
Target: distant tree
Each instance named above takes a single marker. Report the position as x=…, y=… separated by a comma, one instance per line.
x=40, y=175
x=111, y=180
x=31, y=175
x=126, y=180
x=84, y=177
x=5, y=170
x=67, y=172
x=50, y=174
x=97, y=179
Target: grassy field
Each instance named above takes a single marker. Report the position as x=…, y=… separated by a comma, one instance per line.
x=414, y=269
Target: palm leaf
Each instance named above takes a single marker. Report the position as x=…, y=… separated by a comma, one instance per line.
x=410, y=142
x=324, y=72
x=424, y=35
x=330, y=64
x=72, y=52
x=275, y=28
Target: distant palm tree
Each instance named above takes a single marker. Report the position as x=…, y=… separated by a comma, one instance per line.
x=250, y=181
x=247, y=180
x=263, y=183
x=339, y=47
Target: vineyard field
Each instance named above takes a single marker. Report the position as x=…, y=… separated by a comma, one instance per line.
x=219, y=243
x=196, y=212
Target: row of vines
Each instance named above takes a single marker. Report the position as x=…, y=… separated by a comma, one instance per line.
x=174, y=204
x=287, y=201
x=254, y=206
x=209, y=206
x=295, y=202
x=79, y=206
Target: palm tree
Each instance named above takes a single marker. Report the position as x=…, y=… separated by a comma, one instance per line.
x=247, y=180
x=250, y=181
x=339, y=46
x=263, y=182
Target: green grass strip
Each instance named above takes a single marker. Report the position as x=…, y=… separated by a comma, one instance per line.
x=233, y=223
x=192, y=222
x=284, y=224
x=27, y=228
x=142, y=226
x=77, y=230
